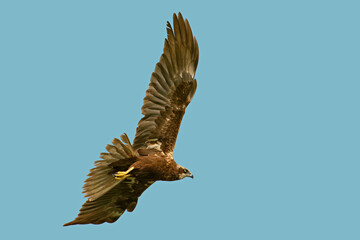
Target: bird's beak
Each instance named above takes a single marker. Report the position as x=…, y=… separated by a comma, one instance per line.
x=190, y=175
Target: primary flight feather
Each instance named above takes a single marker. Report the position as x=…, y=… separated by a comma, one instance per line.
x=127, y=170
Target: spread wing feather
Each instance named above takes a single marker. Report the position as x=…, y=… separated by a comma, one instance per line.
x=110, y=206
x=172, y=86
x=109, y=197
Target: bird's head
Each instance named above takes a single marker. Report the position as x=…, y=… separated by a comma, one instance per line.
x=184, y=172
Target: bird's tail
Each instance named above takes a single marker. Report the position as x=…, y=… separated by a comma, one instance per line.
x=100, y=178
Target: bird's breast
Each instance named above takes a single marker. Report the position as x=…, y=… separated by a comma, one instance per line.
x=154, y=168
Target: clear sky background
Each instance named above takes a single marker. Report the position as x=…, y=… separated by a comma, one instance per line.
x=272, y=134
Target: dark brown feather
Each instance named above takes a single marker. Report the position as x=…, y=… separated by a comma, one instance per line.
x=110, y=206
x=171, y=88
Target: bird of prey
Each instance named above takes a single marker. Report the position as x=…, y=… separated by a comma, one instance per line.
x=126, y=170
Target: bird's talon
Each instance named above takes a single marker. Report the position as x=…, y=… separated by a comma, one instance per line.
x=121, y=175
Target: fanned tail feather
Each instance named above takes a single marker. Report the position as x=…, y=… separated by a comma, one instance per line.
x=100, y=178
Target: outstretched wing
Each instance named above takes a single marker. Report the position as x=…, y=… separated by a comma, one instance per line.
x=110, y=206
x=172, y=86
x=109, y=197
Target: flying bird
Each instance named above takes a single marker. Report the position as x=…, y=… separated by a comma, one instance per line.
x=126, y=170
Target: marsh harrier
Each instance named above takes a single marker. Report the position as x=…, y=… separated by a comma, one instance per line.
x=126, y=170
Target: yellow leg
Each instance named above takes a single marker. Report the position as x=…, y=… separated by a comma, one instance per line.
x=122, y=175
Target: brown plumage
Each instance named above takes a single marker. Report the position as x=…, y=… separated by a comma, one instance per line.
x=127, y=170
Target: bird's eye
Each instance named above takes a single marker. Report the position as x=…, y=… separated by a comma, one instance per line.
x=185, y=170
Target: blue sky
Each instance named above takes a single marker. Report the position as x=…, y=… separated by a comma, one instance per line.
x=272, y=134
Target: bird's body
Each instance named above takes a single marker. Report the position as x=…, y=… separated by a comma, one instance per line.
x=127, y=170
x=155, y=168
